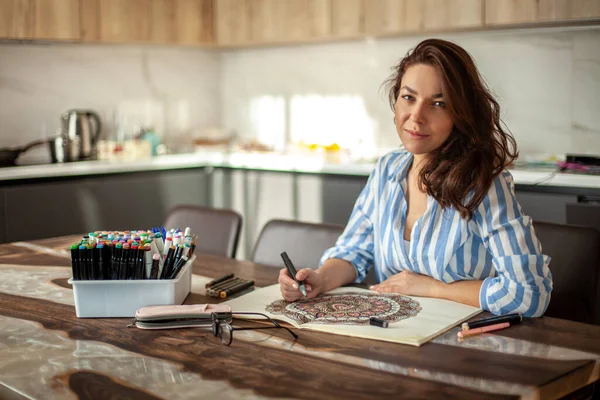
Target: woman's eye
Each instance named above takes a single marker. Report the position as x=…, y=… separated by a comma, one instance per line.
x=408, y=97
x=440, y=104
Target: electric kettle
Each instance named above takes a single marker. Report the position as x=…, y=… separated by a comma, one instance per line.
x=81, y=129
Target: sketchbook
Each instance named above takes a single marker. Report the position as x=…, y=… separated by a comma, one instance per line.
x=346, y=311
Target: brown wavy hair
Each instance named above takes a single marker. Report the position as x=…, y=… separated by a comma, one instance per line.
x=462, y=169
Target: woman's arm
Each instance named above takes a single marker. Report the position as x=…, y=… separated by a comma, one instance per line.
x=523, y=283
x=335, y=273
x=466, y=292
x=414, y=284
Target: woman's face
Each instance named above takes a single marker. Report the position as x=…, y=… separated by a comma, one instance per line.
x=423, y=121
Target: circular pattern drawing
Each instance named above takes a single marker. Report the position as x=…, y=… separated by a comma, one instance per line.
x=350, y=308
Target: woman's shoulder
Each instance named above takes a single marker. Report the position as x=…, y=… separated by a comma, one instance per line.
x=503, y=181
x=501, y=193
x=393, y=161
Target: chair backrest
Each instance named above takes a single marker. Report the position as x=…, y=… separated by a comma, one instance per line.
x=575, y=268
x=304, y=242
x=218, y=230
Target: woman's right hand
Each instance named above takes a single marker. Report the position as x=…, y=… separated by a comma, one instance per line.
x=313, y=282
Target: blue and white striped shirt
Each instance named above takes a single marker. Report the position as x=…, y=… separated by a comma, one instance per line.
x=498, y=245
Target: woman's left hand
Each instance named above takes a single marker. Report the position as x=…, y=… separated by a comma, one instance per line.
x=410, y=284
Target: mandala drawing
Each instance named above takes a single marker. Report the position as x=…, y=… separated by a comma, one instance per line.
x=348, y=308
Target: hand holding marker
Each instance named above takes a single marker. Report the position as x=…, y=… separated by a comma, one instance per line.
x=104, y=255
x=292, y=271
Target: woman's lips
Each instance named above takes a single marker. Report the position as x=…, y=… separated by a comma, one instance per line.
x=415, y=135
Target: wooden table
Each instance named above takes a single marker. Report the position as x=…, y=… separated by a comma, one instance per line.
x=47, y=352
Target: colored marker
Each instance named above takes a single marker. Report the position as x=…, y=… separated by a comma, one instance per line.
x=236, y=289
x=154, y=270
x=218, y=280
x=476, y=331
x=510, y=318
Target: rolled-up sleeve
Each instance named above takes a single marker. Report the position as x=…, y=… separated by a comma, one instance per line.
x=356, y=244
x=523, y=282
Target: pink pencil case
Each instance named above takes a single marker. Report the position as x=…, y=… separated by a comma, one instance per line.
x=180, y=316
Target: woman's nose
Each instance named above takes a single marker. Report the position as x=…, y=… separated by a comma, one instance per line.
x=417, y=113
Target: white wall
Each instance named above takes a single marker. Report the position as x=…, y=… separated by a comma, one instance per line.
x=547, y=82
x=175, y=89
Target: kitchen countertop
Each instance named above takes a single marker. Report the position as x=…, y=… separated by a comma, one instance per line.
x=258, y=161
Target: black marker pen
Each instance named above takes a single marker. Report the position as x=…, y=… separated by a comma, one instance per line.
x=123, y=262
x=154, y=269
x=100, y=261
x=378, y=322
x=131, y=268
x=218, y=280
x=82, y=263
x=140, y=268
x=292, y=270
x=116, y=261
x=178, y=267
x=236, y=289
x=167, y=264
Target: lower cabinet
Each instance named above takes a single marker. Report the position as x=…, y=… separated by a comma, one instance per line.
x=260, y=196
x=39, y=210
x=546, y=207
x=339, y=196
x=572, y=207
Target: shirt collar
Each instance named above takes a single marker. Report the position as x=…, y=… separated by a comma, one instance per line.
x=401, y=170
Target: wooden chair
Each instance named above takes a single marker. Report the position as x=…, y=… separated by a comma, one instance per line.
x=575, y=268
x=218, y=230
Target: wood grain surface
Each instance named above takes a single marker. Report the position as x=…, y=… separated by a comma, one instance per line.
x=541, y=357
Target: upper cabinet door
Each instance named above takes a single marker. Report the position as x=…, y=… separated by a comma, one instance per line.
x=116, y=21
x=232, y=25
x=453, y=14
x=347, y=18
x=147, y=21
x=240, y=22
x=506, y=12
x=194, y=22
x=384, y=17
x=39, y=19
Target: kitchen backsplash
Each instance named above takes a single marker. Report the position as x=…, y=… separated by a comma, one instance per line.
x=547, y=82
x=173, y=89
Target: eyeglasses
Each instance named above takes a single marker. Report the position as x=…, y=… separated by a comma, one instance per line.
x=224, y=330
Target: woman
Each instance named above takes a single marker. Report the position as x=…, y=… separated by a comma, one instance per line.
x=440, y=218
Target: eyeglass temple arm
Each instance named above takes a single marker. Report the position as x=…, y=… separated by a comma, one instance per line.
x=267, y=317
x=266, y=327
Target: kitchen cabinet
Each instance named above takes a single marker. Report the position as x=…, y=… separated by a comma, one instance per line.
x=347, y=18
x=40, y=19
x=255, y=22
x=184, y=22
x=260, y=196
x=339, y=194
x=240, y=22
x=545, y=207
x=232, y=22
x=385, y=17
x=506, y=12
x=36, y=210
